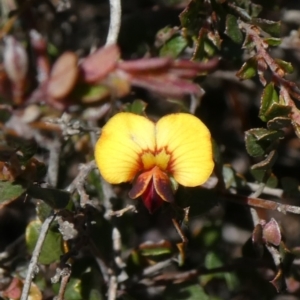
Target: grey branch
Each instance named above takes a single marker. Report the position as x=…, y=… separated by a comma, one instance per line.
x=35, y=256
x=115, y=21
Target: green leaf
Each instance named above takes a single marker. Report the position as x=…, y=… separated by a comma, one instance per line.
x=253, y=147
x=215, y=38
x=57, y=199
x=269, y=96
x=212, y=261
x=189, y=18
x=27, y=147
x=271, y=27
x=277, y=110
x=260, y=141
x=231, y=178
x=10, y=191
x=173, y=47
x=255, y=10
x=265, y=176
x=271, y=41
x=248, y=69
x=263, y=134
x=267, y=163
x=200, y=52
x=186, y=292
x=278, y=123
x=52, y=247
x=5, y=114
x=43, y=210
x=243, y=13
x=232, y=29
x=73, y=289
x=211, y=236
x=137, y=107
x=88, y=93
x=286, y=66
x=95, y=295
x=90, y=287
x=290, y=187
x=155, y=249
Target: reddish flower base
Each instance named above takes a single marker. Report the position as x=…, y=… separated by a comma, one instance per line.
x=154, y=187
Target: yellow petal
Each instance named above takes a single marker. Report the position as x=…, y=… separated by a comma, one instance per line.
x=118, y=150
x=188, y=141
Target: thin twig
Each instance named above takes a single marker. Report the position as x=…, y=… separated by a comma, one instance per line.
x=195, y=102
x=157, y=267
x=267, y=190
x=112, y=288
x=108, y=194
x=53, y=146
x=262, y=203
x=115, y=21
x=104, y=268
x=65, y=276
x=179, y=231
x=53, y=166
x=239, y=263
x=35, y=256
x=84, y=171
x=121, y=212
x=253, y=211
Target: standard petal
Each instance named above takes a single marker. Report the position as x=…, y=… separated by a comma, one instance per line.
x=118, y=150
x=188, y=141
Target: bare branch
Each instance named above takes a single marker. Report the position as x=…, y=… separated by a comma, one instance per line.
x=65, y=276
x=262, y=203
x=35, y=255
x=78, y=182
x=121, y=212
x=115, y=21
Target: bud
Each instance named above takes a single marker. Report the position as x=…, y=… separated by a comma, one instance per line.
x=271, y=233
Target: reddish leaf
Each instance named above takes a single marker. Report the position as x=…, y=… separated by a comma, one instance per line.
x=15, y=60
x=13, y=291
x=63, y=76
x=97, y=66
x=16, y=66
x=183, y=73
x=144, y=65
x=167, y=85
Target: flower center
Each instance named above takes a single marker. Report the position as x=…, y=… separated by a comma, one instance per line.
x=160, y=159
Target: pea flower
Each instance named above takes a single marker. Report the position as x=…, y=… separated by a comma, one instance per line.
x=153, y=156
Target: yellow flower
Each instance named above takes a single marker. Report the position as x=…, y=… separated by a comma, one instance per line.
x=133, y=148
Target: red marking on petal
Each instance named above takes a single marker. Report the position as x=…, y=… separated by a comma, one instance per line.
x=140, y=184
x=154, y=187
x=151, y=198
x=162, y=185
